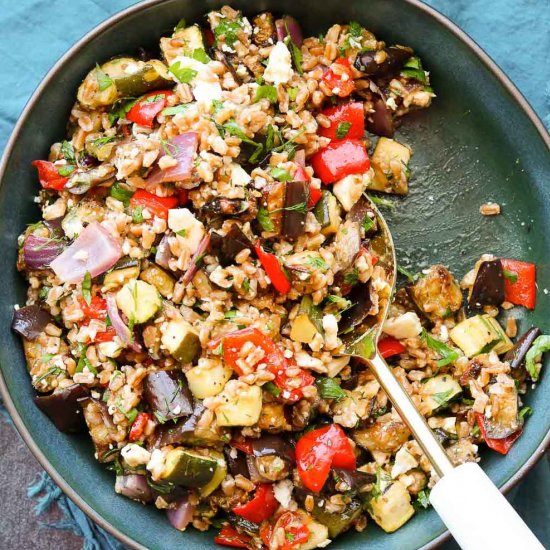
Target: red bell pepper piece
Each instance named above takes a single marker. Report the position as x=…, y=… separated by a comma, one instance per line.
x=147, y=107
x=339, y=77
x=317, y=451
x=229, y=536
x=106, y=336
x=261, y=507
x=244, y=445
x=524, y=291
x=138, y=426
x=48, y=176
x=96, y=309
x=501, y=446
x=158, y=206
x=388, y=347
x=314, y=196
x=296, y=533
x=273, y=269
x=340, y=159
x=347, y=113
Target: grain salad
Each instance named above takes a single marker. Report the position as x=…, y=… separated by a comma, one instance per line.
x=207, y=241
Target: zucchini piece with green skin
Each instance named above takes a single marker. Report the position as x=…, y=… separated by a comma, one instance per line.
x=241, y=408
x=122, y=77
x=307, y=323
x=439, y=391
x=219, y=474
x=182, y=42
x=208, y=378
x=157, y=277
x=392, y=508
x=188, y=468
x=139, y=301
x=327, y=213
x=119, y=277
x=181, y=340
x=480, y=334
x=336, y=523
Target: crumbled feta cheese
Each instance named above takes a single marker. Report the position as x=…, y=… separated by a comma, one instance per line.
x=283, y=492
x=279, y=65
x=405, y=326
x=348, y=190
x=206, y=83
x=404, y=461
x=156, y=464
x=239, y=176
x=190, y=230
x=330, y=326
x=135, y=455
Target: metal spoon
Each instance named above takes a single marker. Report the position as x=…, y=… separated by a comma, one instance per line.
x=473, y=509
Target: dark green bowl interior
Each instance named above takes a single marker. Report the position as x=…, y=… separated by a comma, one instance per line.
x=476, y=143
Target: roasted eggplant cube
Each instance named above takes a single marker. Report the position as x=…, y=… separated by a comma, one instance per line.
x=63, y=408
x=437, y=294
x=516, y=356
x=390, y=161
x=168, y=395
x=488, y=288
x=264, y=34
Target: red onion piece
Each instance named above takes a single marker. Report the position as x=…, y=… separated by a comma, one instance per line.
x=180, y=516
x=182, y=148
x=134, y=486
x=288, y=22
x=123, y=332
x=195, y=260
x=39, y=252
x=163, y=255
x=95, y=251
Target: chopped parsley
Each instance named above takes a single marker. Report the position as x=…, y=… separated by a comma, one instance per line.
x=160, y=417
x=475, y=431
x=540, y=345
x=329, y=389
x=280, y=174
x=317, y=263
x=510, y=276
x=175, y=110
x=230, y=314
x=525, y=411
x=342, y=303
x=447, y=354
x=246, y=285
x=271, y=388
x=65, y=170
x=343, y=129
x=52, y=371
x=292, y=93
x=267, y=92
x=182, y=232
x=181, y=24
x=380, y=201
x=442, y=398
x=264, y=220
x=422, y=499
x=87, y=288
x=103, y=80
x=295, y=52
x=183, y=74
x=120, y=193
x=137, y=214
x=367, y=223
x=67, y=150
x=44, y=291
x=199, y=54
x=298, y=207
x=412, y=277
x=352, y=277
x=227, y=30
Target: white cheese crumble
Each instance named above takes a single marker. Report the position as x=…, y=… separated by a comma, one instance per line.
x=279, y=65
x=405, y=326
x=135, y=455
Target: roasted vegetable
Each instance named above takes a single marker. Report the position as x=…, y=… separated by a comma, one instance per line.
x=364, y=215
x=138, y=300
x=516, y=355
x=157, y=277
x=380, y=120
x=390, y=161
x=264, y=34
x=307, y=323
x=360, y=298
x=392, y=508
x=295, y=209
x=63, y=408
x=383, y=63
x=167, y=395
x=228, y=246
x=439, y=391
x=102, y=430
x=336, y=523
x=480, y=334
x=488, y=288
x=504, y=420
x=181, y=340
x=384, y=435
x=327, y=213
x=226, y=207
x=437, y=294
x=189, y=468
x=30, y=321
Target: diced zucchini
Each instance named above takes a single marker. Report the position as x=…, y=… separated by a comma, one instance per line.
x=336, y=523
x=480, y=334
x=157, y=277
x=349, y=189
x=119, y=277
x=139, y=301
x=439, y=391
x=208, y=378
x=240, y=408
x=327, y=213
x=390, y=162
x=188, y=468
x=392, y=508
x=219, y=474
x=181, y=340
x=99, y=148
x=192, y=38
x=307, y=323
x=318, y=535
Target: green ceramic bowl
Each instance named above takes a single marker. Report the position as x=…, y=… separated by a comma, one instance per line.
x=479, y=141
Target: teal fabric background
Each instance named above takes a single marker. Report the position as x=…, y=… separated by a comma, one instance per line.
x=515, y=33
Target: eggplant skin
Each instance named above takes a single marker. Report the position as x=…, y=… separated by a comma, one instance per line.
x=382, y=63
x=30, y=321
x=488, y=288
x=516, y=356
x=167, y=394
x=63, y=408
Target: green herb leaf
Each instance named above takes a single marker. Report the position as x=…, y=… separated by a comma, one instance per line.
x=317, y=263
x=199, y=54
x=540, y=345
x=175, y=110
x=272, y=389
x=87, y=288
x=131, y=414
x=66, y=170
x=137, y=214
x=227, y=30
x=163, y=488
x=342, y=303
x=289, y=536
x=380, y=201
x=52, y=371
x=368, y=223
x=343, y=129
x=412, y=277
x=382, y=478
x=447, y=354
x=160, y=417
x=280, y=174
x=295, y=53
x=525, y=411
x=44, y=291
x=267, y=92
x=103, y=80
x=441, y=398
x=67, y=150
x=180, y=25
x=246, y=285
x=230, y=314
x=329, y=389
x=183, y=74
x=182, y=232
x=298, y=207
x=120, y=109
x=265, y=220
x=475, y=431
x=121, y=193
x=510, y=276
x=422, y=499
x=292, y=93
x=352, y=277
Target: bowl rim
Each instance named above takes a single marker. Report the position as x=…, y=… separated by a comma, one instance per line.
x=491, y=65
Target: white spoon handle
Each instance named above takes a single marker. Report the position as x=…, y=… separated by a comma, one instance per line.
x=477, y=514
